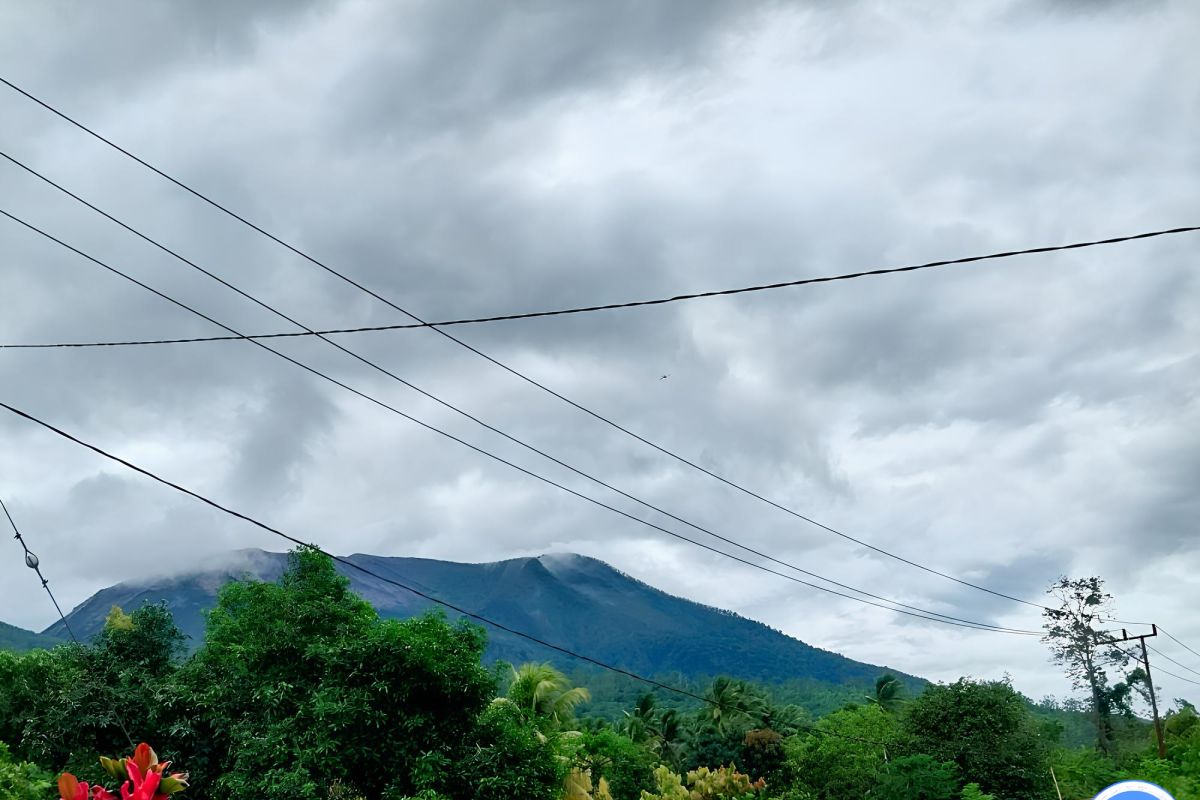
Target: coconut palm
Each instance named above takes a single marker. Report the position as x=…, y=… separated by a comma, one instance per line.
x=732, y=703
x=544, y=693
x=888, y=691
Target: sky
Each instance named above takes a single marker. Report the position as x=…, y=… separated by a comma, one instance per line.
x=1005, y=422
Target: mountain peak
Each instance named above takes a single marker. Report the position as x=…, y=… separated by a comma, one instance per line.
x=575, y=601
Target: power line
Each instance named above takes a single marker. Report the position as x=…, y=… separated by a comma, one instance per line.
x=1173, y=661
x=348, y=563
x=1156, y=669
x=609, y=306
x=458, y=410
x=34, y=563
x=1181, y=644
x=596, y=415
x=917, y=612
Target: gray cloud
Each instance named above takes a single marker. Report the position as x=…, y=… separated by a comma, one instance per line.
x=1005, y=421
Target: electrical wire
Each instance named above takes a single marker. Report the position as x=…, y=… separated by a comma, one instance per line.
x=1138, y=659
x=610, y=306
x=923, y=614
x=1176, y=641
x=373, y=574
x=596, y=415
x=458, y=410
x=34, y=563
x=1173, y=661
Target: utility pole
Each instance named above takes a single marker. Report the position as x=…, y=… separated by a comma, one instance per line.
x=1125, y=637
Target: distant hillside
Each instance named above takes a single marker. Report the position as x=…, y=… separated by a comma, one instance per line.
x=577, y=602
x=20, y=640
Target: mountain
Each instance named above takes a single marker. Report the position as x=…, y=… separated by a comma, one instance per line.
x=20, y=640
x=573, y=601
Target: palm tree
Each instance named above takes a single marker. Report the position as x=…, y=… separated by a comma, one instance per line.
x=545, y=693
x=888, y=691
x=669, y=745
x=730, y=703
x=641, y=724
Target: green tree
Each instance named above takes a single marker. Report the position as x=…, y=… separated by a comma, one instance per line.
x=659, y=730
x=508, y=758
x=842, y=759
x=545, y=694
x=972, y=792
x=300, y=684
x=733, y=704
x=59, y=708
x=888, y=692
x=1075, y=644
x=627, y=766
x=918, y=777
x=987, y=729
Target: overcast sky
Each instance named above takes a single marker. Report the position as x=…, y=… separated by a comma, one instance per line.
x=1005, y=422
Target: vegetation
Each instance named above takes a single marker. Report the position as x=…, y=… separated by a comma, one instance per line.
x=300, y=691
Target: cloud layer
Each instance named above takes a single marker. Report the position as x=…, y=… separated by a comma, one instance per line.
x=1004, y=422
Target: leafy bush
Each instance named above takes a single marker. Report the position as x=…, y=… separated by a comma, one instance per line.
x=988, y=730
x=627, y=768
x=918, y=777
x=839, y=760
x=20, y=780
x=508, y=758
x=725, y=783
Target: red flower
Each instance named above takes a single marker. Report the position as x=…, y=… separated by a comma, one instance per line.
x=70, y=788
x=145, y=779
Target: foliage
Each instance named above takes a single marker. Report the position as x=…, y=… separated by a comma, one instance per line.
x=987, y=729
x=21, y=780
x=1084, y=772
x=60, y=707
x=725, y=783
x=888, y=693
x=313, y=685
x=918, y=777
x=141, y=776
x=626, y=766
x=1074, y=642
x=972, y=792
x=733, y=705
x=508, y=759
x=545, y=694
x=579, y=786
x=300, y=691
x=840, y=760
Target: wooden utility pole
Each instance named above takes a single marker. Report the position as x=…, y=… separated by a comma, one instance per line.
x=1158, y=730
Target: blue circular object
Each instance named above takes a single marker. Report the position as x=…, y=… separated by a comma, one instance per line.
x=1134, y=790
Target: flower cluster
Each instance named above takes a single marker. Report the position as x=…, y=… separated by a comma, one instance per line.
x=146, y=778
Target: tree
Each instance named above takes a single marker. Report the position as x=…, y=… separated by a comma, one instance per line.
x=918, y=777
x=300, y=684
x=846, y=754
x=61, y=707
x=507, y=758
x=1071, y=635
x=988, y=730
x=733, y=703
x=888, y=691
x=659, y=730
x=626, y=767
x=545, y=694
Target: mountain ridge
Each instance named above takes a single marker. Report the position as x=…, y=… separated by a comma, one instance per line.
x=577, y=602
